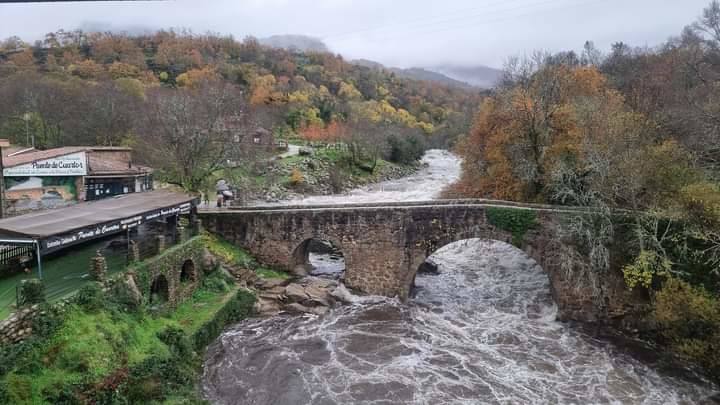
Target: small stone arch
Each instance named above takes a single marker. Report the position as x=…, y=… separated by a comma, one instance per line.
x=301, y=254
x=160, y=290
x=188, y=272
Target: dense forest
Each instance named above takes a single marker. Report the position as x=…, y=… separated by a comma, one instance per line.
x=634, y=131
x=181, y=98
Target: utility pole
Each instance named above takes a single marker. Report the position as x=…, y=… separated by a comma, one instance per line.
x=4, y=143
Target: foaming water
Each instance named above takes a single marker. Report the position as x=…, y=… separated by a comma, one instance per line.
x=482, y=331
x=440, y=169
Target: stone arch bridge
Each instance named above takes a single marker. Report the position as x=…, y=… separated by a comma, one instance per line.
x=384, y=244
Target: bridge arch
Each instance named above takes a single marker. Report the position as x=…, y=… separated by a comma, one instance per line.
x=160, y=290
x=188, y=272
x=431, y=266
x=301, y=255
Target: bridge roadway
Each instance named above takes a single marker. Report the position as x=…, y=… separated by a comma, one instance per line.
x=384, y=243
x=404, y=204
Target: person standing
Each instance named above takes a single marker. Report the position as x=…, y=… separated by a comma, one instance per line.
x=222, y=188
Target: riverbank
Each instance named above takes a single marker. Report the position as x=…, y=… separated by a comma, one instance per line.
x=313, y=172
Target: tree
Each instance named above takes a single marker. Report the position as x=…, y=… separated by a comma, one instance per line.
x=183, y=131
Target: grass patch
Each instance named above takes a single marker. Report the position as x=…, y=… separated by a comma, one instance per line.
x=263, y=272
x=228, y=252
x=232, y=254
x=91, y=349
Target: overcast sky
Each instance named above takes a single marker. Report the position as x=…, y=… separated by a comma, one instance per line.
x=399, y=33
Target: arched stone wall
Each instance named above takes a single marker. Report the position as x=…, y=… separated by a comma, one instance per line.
x=384, y=244
x=159, y=290
x=188, y=272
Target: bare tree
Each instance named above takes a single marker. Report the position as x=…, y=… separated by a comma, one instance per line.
x=184, y=131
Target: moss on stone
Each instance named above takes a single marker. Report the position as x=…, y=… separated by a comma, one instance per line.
x=514, y=220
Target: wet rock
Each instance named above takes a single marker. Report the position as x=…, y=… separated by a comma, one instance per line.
x=318, y=296
x=269, y=283
x=265, y=307
x=302, y=309
x=341, y=294
x=300, y=271
x=295, y=293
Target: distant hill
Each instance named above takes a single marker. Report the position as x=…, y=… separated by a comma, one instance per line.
x=302, y=43
x=414, y=73
x=480, y=76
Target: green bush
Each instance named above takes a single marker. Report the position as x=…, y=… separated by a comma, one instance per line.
x=91, y=297
x=514, y=220
x=406, y=149
x=32, y=291
x=689, y=318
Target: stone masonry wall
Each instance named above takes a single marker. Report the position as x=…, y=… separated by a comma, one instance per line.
x=384, y=246
x=18, y=326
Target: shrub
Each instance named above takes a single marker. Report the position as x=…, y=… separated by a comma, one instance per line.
x=406, y=149
x=514, y=220
x=239, y=307
x=32, y=291
x=296, y=177
x=645, y=269
x=91, y=297
x=689, y=318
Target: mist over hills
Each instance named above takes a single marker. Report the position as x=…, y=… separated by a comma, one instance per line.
x=302, y=43
x=447, y=74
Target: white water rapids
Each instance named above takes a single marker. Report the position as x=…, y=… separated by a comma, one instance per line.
x=481, y=331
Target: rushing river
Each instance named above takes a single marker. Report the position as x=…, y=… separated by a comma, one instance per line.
x=481, y=331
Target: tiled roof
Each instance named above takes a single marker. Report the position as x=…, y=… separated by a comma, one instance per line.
x=29, y=157
x=35, y=155
x=98, y=165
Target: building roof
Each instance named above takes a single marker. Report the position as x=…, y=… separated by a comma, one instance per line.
x=33, y=155
x=100, y=166
x=67, y=222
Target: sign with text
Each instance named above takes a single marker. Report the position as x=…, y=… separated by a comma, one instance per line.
x=96, y=231
x=73, y=164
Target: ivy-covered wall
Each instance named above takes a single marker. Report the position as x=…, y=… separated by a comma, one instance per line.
x=169, y=264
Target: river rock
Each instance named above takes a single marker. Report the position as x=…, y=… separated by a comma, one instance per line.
x=300, y=271
x=302, y=309
x=269, y=283
x=295, y=293
x=266, y=307
x=319, y=296
x=341, y=294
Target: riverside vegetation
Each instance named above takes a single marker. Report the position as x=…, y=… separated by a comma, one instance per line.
x=631, y=132
x=100, y=348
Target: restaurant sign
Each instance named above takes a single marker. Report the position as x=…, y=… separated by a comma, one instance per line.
x=97, y=231
x=73, y=164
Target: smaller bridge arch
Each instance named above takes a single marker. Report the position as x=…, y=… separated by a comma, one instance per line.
x=301, y=254
x=188, y=272
x=159, y=290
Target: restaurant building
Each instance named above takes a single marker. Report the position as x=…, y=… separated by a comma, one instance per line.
x=52, y=178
